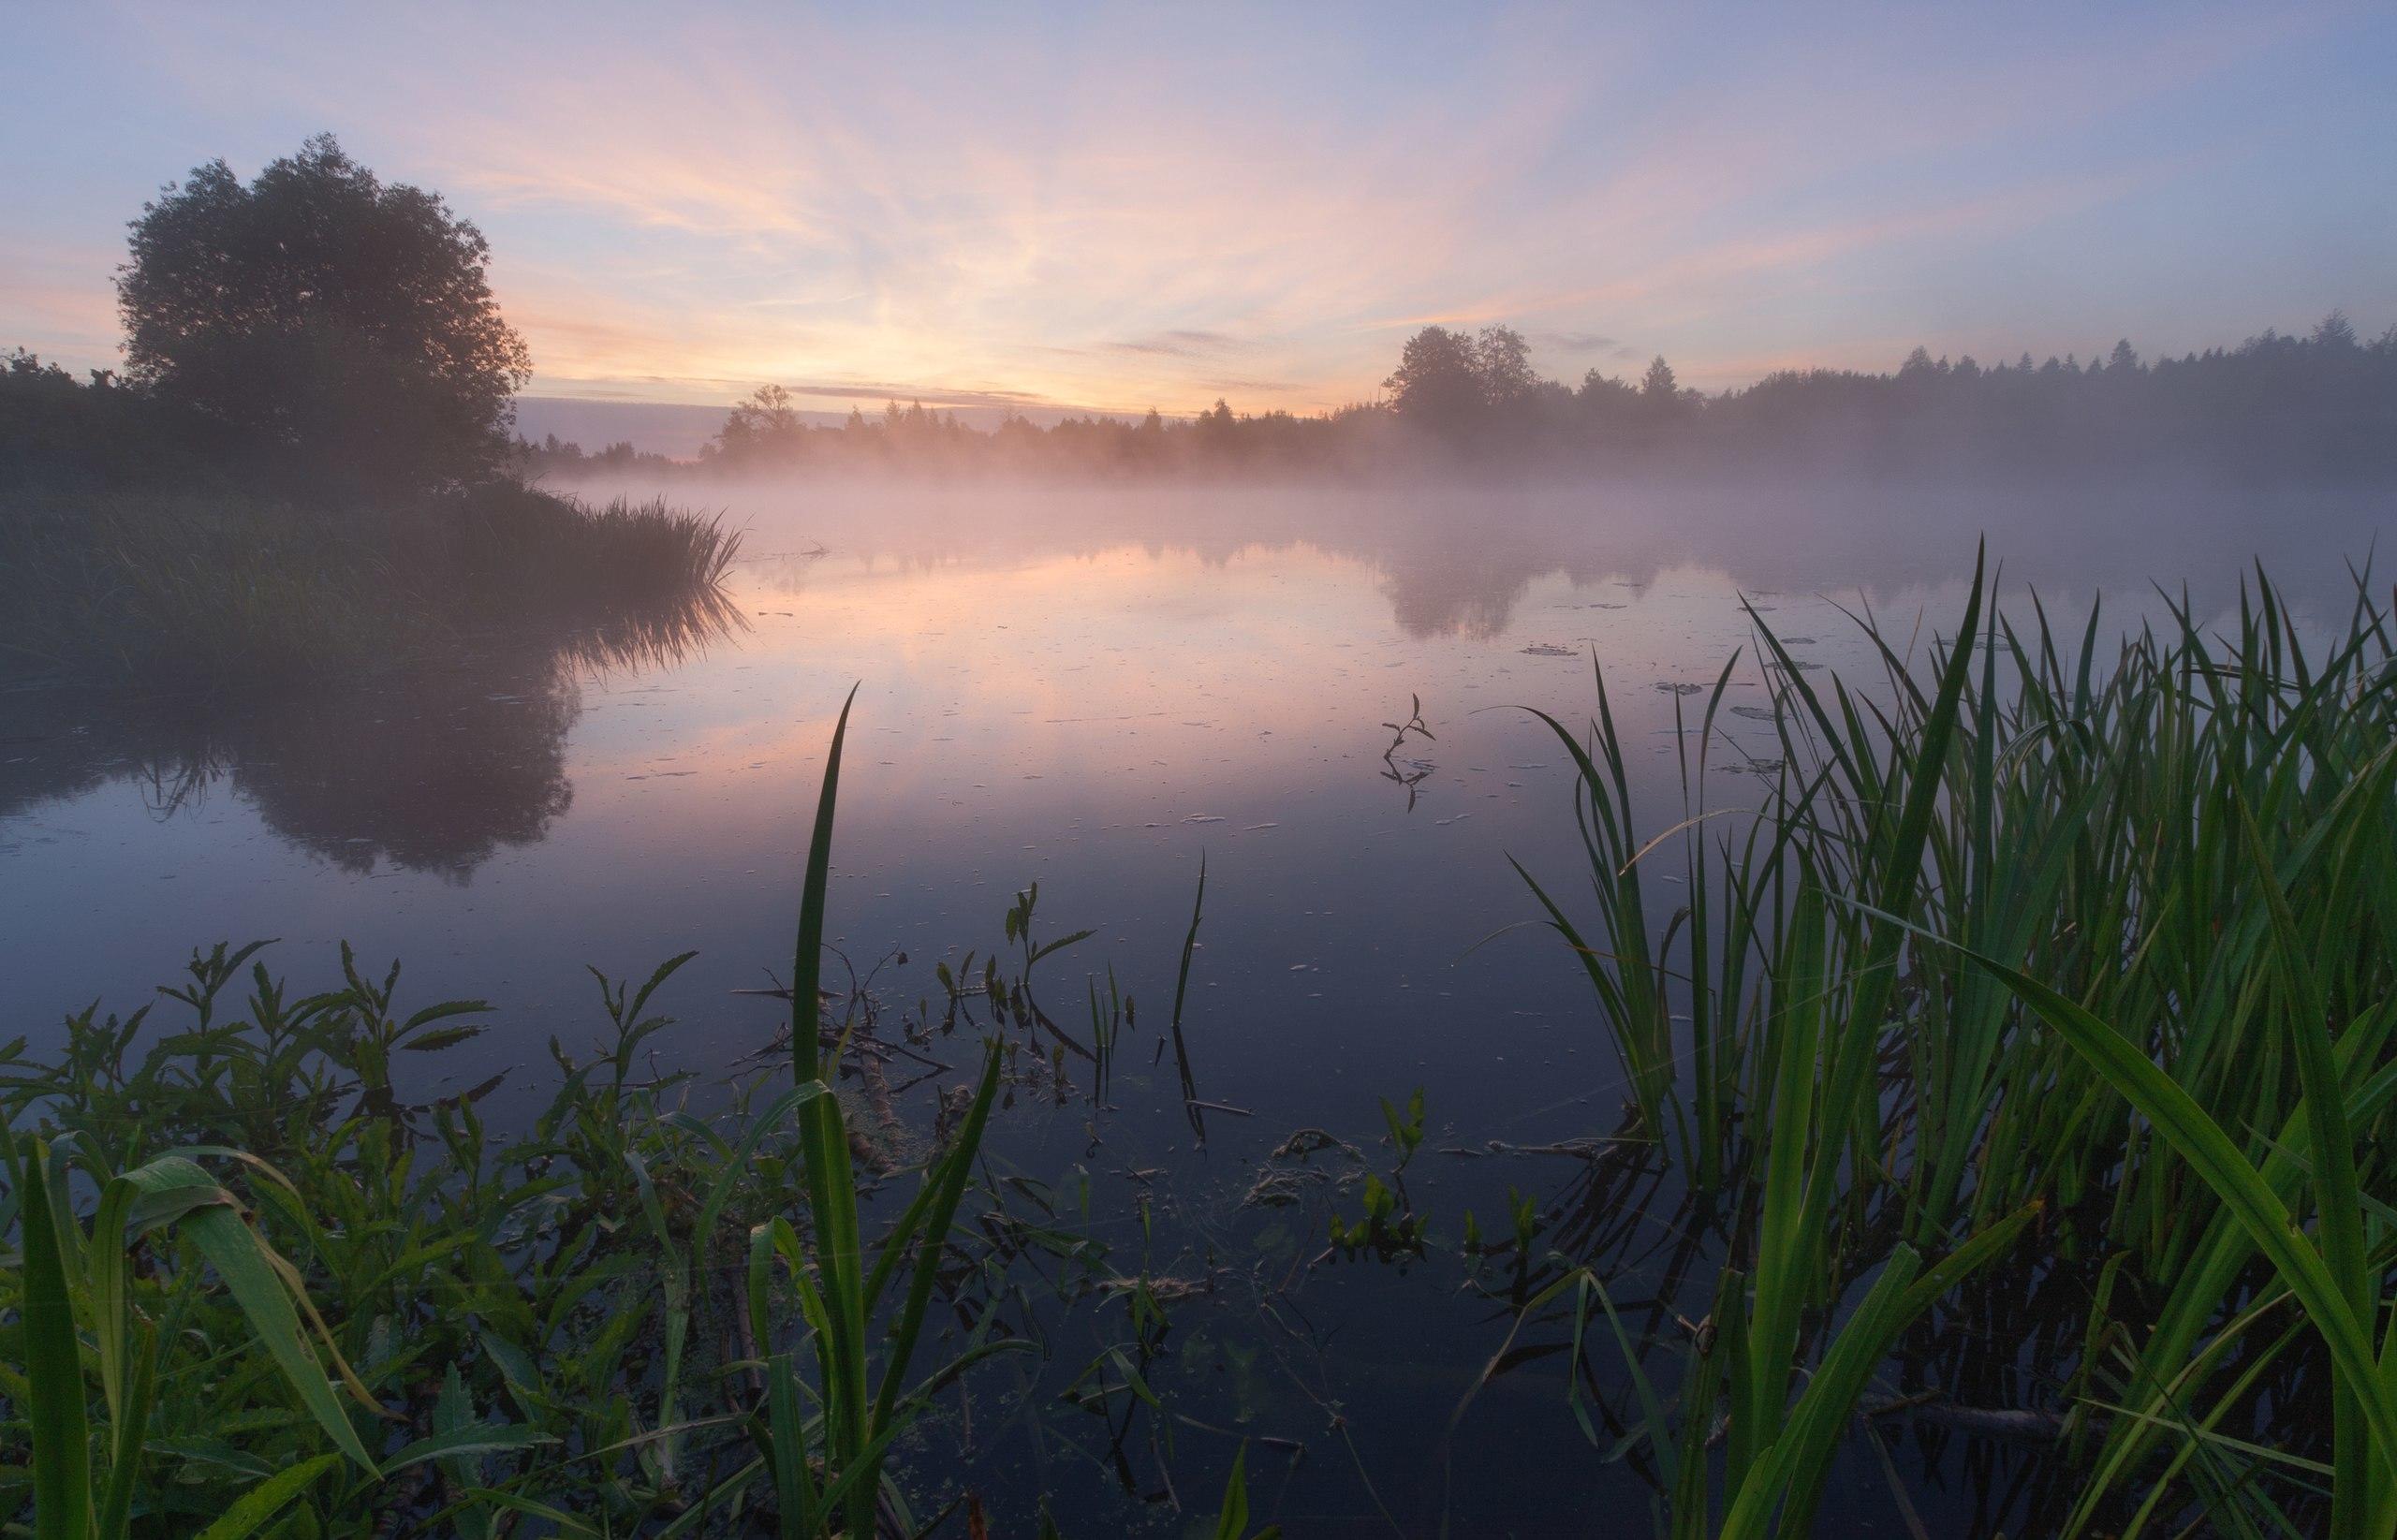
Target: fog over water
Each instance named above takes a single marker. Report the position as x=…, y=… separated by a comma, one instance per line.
x=1092, y=686
x=1084, y=684
x=1473, y=676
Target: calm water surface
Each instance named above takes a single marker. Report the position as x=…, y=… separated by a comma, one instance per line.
x=1093, y=689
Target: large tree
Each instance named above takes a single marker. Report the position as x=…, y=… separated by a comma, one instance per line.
x=322, y=319
x=1437, y=382
x=1457, y=385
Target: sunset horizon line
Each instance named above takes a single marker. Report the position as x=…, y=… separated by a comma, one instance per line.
x=839, y=399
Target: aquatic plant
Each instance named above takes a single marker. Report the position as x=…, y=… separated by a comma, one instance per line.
x=539, y=1330
x=860, y=1412
x=2028, y=942
x=192, y=588
x=2025, y=1054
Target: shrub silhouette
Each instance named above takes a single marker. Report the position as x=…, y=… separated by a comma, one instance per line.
x=323, y=322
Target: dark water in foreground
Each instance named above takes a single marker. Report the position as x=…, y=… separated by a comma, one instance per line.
x=1094, y=688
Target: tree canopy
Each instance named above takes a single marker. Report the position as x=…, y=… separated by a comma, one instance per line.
x=1455, y=383
x=323, y=319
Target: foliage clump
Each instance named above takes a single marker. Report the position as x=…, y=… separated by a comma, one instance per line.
x=321, y=318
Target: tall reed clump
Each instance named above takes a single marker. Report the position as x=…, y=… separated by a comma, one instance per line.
x=827, y=1467
x=174, y=589
x=2076, y=963
x=234, y=587
x=257, y=1290
x=539, y=548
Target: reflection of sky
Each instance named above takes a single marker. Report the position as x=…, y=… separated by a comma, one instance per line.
x=1094, y=722
x=1092, y=691
x=1069, y=684
x=1121, y=208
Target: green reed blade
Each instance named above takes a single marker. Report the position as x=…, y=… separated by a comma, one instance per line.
x=54, y=1365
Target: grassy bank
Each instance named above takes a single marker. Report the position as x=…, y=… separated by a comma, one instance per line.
x=169, y=589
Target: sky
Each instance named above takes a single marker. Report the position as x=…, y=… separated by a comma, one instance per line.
x=1120, y=207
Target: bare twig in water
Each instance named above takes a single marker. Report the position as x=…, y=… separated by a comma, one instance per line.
x=1417, y=769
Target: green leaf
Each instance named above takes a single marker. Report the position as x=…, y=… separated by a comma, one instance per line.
x=566, y=1522
x=434, y=1042
x=238, y=1257
x=2243, y=1192
x=1060, y=944
x=478, y=1438
x=1234, y=1520
x=254, y=1508
x=61, y=1436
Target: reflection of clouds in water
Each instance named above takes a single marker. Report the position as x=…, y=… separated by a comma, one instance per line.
x=1055, y=685
x=1070, y=641
x=1457, y=561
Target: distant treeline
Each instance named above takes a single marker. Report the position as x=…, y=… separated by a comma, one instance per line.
x=2322, y=404
x=766, y=434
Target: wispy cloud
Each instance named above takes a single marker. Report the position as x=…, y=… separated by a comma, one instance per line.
x=852, y=390
x=1179, y=344
x=970, y=208
x=1584, y=342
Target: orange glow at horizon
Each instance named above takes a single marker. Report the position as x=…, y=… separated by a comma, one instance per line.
x=1115, y=211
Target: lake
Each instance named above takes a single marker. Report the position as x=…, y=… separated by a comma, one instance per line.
x=1096, y=688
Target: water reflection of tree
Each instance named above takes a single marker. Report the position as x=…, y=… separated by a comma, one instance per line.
x=436, y=769
x=1458, y=559
x=1454, y=586
x=1461, y=564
